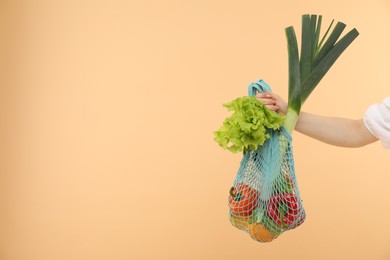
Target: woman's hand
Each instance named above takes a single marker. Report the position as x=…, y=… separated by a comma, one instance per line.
x=331, y=130
x=273, y=101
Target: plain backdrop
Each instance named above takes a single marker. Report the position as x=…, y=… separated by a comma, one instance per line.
x=107, y=116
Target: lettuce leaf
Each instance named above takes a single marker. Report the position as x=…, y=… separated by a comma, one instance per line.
x=246, y=128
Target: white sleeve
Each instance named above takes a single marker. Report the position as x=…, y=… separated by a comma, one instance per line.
x=377, y=121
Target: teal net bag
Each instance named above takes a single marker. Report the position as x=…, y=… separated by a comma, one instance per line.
x=264, y=199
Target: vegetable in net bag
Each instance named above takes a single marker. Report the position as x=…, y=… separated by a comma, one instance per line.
x=264, y=200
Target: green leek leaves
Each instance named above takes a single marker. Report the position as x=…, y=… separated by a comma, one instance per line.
x=315, y=61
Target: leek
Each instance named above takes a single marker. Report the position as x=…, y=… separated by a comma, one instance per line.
x=316, y=58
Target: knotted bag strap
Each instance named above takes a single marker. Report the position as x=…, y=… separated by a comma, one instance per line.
x=272, y=143
x=258, y=87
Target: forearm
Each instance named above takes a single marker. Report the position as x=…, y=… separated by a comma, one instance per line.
x=335, y=131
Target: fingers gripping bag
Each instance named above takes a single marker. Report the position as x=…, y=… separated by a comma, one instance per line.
x=264, y=199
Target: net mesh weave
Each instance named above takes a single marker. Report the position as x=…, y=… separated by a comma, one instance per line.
x=264, y=199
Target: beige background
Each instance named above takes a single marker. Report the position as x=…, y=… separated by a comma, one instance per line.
x=107, y=114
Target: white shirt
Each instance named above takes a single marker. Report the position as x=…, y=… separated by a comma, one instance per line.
x=377, y=121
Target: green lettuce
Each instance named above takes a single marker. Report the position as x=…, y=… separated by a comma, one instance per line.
x=246, y=128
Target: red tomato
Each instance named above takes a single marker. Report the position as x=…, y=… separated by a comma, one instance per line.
x=243, y=200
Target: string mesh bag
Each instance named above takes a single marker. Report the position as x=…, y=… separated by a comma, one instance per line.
x=264, y=199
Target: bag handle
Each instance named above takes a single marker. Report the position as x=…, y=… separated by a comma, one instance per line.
x=258, y=86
